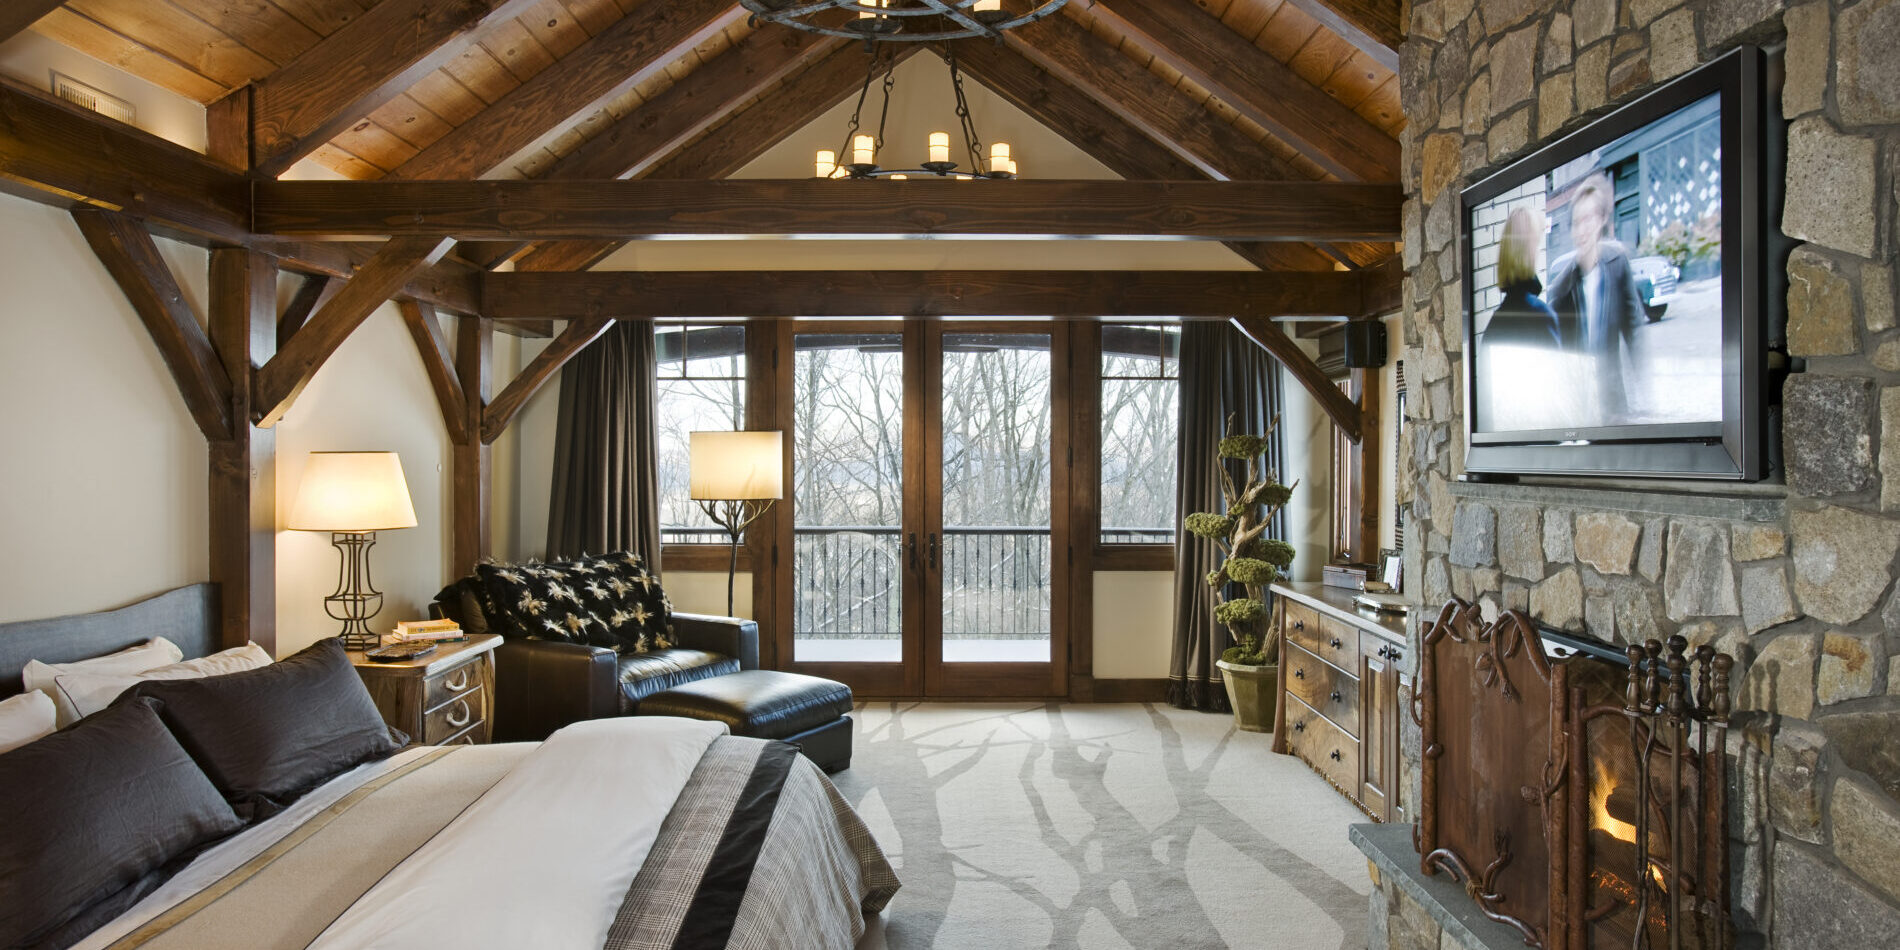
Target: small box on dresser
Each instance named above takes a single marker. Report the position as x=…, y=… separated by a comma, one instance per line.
x=444, y=698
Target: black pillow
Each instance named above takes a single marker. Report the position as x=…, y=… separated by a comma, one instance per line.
x=97, y=816
x=546, y=602
x=267, y=736
x=621, y=591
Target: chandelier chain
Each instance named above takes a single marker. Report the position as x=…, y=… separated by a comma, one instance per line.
x=970, y=140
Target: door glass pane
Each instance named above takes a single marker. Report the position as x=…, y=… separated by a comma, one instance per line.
x=848, y=497
x=996, y=462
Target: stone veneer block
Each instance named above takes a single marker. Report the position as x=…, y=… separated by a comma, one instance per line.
x=1765, y=601
x=1474, y=541
x=1757, y=542
x=1831, y=187
x=1513, y=69
x=1388, y=847
x=1649, y=558
x=1820, y=308
x=1866, y=826
x=1826, y=908
x=1827, y=437
x=1521, y=542
x=1558, y=600
x=1866, y=69
x=1809, y=53
x=1699, y=581
x=1848, y=665
x=1594, y=20
x=1782, y=677
x=1876, y=296
x=1558, y=538
x=1795, y=781
x=1672, y=45
x=1863, y=741
x=1841, y=562
x=1890, y=448
x=1606, y=541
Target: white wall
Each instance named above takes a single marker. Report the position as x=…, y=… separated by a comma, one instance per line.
x=103, y=476
x=1134, y=624
x=1309, y=460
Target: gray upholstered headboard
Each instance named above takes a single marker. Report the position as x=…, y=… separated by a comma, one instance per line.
x=187, y=616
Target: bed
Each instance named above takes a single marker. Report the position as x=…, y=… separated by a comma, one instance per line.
x=641, y=832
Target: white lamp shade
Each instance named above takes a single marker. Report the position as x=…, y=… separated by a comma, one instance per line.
x=737, y=466
x=352, y=491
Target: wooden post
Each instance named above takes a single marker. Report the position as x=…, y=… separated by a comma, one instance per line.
x=474, y=466
x=243, y=510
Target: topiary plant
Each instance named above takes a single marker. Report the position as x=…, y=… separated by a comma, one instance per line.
x=1247, y=557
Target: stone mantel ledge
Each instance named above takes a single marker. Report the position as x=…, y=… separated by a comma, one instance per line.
x=1686, y=503
x=1388, y=848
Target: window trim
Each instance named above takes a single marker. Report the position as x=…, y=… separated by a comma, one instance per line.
x=1118, y=555
x=715, y=558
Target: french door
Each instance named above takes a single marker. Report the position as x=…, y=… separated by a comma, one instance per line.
x=927, y=507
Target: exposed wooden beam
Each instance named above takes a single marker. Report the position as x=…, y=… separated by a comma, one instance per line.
x=446, y=285
x=242, y=483
x=502, y=411
x=1105, y=135
x=613, y=61
x=472, y=458
x=1344, y=412
x=438, y=363
x=1373, y=27
x=285, y=376
x=557, y=210
x=1196, y=44
x=57, y=153
x=131, y=257
x=315, y=290
x=353, y=71
x=745, y=136
x=1186, y=294
x=17, y=15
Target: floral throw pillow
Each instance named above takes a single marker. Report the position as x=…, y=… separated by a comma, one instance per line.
x=541, y=602
x=629, y=597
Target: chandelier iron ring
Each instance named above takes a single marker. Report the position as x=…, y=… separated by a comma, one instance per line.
x=915, y=21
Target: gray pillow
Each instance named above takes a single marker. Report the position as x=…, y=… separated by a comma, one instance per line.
x=97, y=815
x=267, y=736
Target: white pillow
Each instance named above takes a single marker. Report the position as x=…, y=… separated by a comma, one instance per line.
x=25, y=718
x=151, y=654
x=90, y=692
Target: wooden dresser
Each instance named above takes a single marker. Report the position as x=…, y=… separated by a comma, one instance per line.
x=444, y=698
x=1339, y=692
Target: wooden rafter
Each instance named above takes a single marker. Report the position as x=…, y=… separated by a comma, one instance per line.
x=353, y=71
x=744, y=136
x=131, y=257
x=312, y=293
x=243, y=510
x=1029, y=293
x=446, y=285
x=1373, y=27
x=498, y=414
x=613, y=61
x=17, y=15
x=1343, y=411
x=559, y=210
x=1196, y=44
x=438, y=363
x=285, y=376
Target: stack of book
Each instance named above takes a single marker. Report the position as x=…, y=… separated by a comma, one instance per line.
x=427, y=631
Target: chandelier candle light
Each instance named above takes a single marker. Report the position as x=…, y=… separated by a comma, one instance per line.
x=862, y=148
x=353, y=495
x=907, y=20
x=735, y=477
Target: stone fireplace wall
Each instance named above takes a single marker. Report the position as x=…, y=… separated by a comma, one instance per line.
x=1795, y=579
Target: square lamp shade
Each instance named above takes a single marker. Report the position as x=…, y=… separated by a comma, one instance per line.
x=353, y=492
x=737, y=466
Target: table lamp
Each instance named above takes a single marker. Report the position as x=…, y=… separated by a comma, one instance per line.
x=353, y=495
x=735, y=478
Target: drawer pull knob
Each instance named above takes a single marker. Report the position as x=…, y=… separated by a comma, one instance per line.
x=1336, y=696
x=1385, y=653
x=1299, y=726
x=1335, y=755
x=1299, y=674
x=1397, y=655
x=461, y=705
x=1299, y=625
x=457, y=682
x=1336, y=643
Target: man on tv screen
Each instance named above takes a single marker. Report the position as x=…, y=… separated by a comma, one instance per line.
x=1594, y=296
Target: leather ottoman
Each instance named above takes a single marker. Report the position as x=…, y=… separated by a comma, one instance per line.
x=806, y=711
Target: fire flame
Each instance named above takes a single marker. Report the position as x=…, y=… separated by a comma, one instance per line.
x=1600, y=816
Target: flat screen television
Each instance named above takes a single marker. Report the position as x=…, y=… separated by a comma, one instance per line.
x=1616, y=290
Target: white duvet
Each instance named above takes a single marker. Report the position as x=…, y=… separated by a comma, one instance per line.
x=544, y=858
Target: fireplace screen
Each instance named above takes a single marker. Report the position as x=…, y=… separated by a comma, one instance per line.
x=1577, y=795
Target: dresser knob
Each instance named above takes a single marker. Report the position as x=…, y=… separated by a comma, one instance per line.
x=1299, y=674
x=1335, y=755
x=1299, y=625
x=1299, y=726
x=1336, y=643
x=1385, y=653
x=1336, y=696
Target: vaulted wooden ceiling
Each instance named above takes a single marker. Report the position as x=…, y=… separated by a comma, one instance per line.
x=1286, y=90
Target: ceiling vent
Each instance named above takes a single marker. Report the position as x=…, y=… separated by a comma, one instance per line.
x=91, y=97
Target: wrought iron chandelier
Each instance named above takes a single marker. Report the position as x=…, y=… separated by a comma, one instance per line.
x=909, y=20
x=862, y=148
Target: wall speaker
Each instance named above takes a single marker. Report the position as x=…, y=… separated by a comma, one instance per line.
x=1365, y=344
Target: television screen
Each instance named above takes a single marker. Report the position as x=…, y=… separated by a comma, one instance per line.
x=1596, y=287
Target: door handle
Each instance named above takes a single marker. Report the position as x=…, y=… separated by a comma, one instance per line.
x=912, y=544
x=933, y=551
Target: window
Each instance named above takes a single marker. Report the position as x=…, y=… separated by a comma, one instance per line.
x=1141, y=391
x=701, y=383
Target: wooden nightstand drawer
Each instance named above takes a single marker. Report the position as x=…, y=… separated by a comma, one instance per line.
x=442, y=687
x=1337, y=643
x=445, y=697
x=1301, y=624
x=1325, y=688
x=1331, y=752
x=454, y=716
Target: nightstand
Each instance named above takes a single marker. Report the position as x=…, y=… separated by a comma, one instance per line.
x=444, y=698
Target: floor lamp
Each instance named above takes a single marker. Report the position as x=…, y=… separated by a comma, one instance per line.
x=353, y=495
x=735, y=478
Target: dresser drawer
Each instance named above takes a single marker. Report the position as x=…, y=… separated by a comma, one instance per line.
x=1300, y=624
x=456, y=715
x=1334, y=693
x=1330, y=751
x=449, y=684
x=475, y=734
x=1337, y=643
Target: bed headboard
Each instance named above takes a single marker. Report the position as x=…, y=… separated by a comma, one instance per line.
x=187, y=616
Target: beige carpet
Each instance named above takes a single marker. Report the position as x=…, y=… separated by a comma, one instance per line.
x=1100, y=826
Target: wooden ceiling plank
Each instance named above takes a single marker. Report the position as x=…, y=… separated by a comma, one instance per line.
x=1200, y=295
x=262, y=28
x=747, y=134
x=370, y=141
x=17, y=15
x=635, y=48
x=131, y=257
x=516, y=49
x=1343, y=411
x=479, y=72
x=438, y=363
x=409, y=119
x=569, y=210
x=1263, y=88
x=1371, y=26
x=441, y=93
x=281, y=380
x=322, y=16
x=107, y=46
x=357, y=69
x=554, y=27
x=594, y=15
x=169, y=30
x=502, y=409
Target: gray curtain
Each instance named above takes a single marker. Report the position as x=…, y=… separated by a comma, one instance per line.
x=606, y=455
x=1222, y=372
